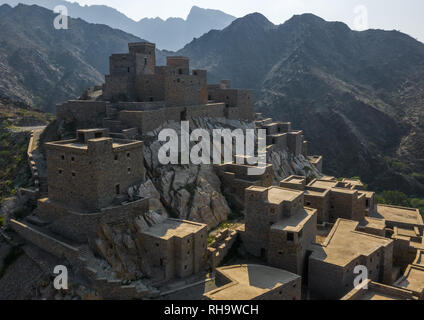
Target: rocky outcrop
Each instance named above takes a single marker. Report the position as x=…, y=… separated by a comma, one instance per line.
x=194, y=192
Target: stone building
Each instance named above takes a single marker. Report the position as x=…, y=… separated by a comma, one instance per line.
x=278, y=227
x=401, y=217
x=233, y=99
x=139, y=95
x=236, y=180
x=255, y=282
x=331, y=268
x=334, y=199
x=175, y=248
x=89, y=180
x=316, y=161
x=413, y=278
x=281, y=136
x=93, y=171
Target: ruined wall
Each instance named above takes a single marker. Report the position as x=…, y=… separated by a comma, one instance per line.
x=223, y=242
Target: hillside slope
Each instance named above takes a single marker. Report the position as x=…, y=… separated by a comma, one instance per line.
x=44, y=66
x=169, y=34
x=357, y=95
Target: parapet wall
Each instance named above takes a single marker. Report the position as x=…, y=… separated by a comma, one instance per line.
x=45, y=242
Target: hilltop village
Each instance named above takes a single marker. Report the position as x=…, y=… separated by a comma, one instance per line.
x=100, y=211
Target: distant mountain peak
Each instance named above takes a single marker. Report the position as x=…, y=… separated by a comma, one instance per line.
x=306, y=17
x=200, y=13
x=253, y=20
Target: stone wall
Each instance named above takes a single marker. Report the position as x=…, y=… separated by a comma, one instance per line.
x=219, y=248
x=45, y=242
x=82, y=226
x=83, y=114
x=146, y=121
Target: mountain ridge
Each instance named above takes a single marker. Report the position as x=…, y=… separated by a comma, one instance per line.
x=169, y=34
x=43, y=66
x=356, y=94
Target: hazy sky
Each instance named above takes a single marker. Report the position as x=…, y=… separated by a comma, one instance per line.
x=403, y=15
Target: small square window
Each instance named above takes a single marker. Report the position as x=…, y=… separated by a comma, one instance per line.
x=290, y=236
x=72, y=159
x=60, y=171
x=73, y=174
x=62, y=157
x=116, y=157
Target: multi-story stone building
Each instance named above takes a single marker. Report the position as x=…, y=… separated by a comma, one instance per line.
x=334, y=199
x=139, y=95
x=175, y=248
x=278, y=227
x=92, y=171
x=331, y=268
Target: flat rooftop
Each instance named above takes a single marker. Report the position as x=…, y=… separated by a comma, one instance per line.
x=295, y=222
x=174, y=228
x=368, y=194
x=75, y=144
x=398, y=214
x=250, y=281
x=354, y=182
x=276, y=195
x=323, y=184
x=317, y=192
x=373, y=223
x=413, y=279
x=345, y=244
x=295, y=179
x=407, y=232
